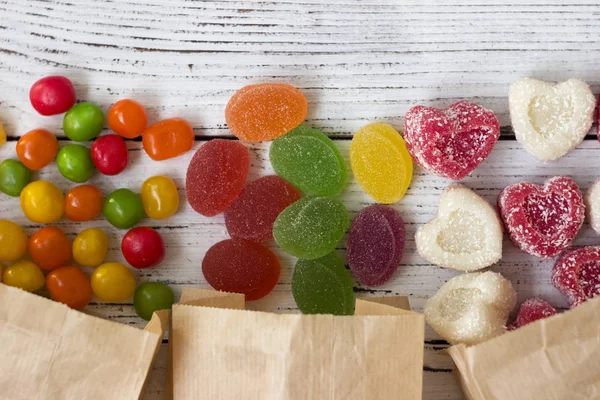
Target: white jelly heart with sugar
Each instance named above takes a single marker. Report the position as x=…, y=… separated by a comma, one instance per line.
x=466, y=235
x=592, y=206
x=550, y=119
x=471, y=308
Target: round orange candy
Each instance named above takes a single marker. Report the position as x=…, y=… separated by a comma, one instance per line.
x=83, y=203
x=49, y=248
x=70, y=286
x=168, y=138
x=37, y=148
x=127, y=118
x=265, y=111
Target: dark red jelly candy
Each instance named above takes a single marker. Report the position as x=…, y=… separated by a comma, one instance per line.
x=241, y=266
x=375, y=244
x=216, y=176
x=532, y=310
x=542, y=221
x=252, y=214
x=576, y=274
x=451, y=142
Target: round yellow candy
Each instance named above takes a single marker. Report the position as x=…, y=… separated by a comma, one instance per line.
x=90, y=247
x=159, y=197
x=113, y=282
x=25, y=275
x=42, y=202
x=13, y=241
x=381, y=163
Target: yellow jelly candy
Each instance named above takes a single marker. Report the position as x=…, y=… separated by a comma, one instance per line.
x=25, y=275
x=13, y=241
x=2, y=135
x=380, y=162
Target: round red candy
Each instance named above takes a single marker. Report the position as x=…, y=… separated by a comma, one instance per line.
x=52, y=95
x=542, y=221
x=216, y=176
x=143, y=247
x=109, y=154
x=531, y=310
x=241, y=266
x=576, y=274
x=251, y=216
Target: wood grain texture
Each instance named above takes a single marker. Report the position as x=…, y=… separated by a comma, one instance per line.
x=356, y=62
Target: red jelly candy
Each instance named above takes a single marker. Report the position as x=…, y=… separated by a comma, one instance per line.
x=52, y=95
x=451, y=142
x=375, y=244
x=251, y=216
x=216, y=176
x=241, y=266
x=542, y=221
x=576, y=274
x=109, y=154
x=532, y=310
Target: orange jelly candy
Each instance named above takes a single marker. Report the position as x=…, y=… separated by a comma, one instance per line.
x=83, y=203
x=127, y=118
x=37, y=148
x=265, y=111
x=168, y=138
x=49, y=248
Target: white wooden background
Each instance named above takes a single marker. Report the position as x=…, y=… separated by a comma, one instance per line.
x=357, y=61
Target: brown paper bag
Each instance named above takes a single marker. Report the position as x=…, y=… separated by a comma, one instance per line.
x=221, y=351
x=553, y=358
x=50, y=351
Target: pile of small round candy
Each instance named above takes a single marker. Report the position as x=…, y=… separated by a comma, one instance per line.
x=43, y=203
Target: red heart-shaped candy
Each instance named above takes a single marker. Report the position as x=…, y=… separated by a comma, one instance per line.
x=576, y=274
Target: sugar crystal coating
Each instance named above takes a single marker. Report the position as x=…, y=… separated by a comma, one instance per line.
x=576, y=274
x=311, y=227
x=252, y=215
x=531, y=310
x=542, y=221
x=471, y=308
x=323, y=286
x=451, y=142
x=592, y=206
x=216, y=176
x=241, y=266
x=375, y=244
x=309, y=160
x=550, y=119
x=265, y=111
x=466, y=235
x=381, y=163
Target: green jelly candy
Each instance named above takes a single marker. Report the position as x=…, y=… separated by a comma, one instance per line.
x=309, y=160
x=311, y=227
x=323, y=286
x=84, y=121
x=14, y=176
x=75, y=163
x=123, y=208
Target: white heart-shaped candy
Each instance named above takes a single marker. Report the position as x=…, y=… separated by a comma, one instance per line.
x=471, y=308
x=466, y=235
x=550, y=119
x=592, y=206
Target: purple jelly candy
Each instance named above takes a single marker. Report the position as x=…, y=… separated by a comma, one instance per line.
x=375, y=244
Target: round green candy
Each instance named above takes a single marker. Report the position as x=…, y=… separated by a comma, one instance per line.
x=123, y=208
x=84, y=121
x=311, y=227
x=323, y=286
x=150, y=297
x=75, y=163
x=14, y=176
x=309, y=160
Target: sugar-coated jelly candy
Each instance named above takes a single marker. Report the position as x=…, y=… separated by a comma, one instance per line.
x=241, y=266
x=592, y=206
x=531, y=310
x=380, y=162
x=323, y=286
x=37, y=148
x=466, y=235
x=375, y=244
x=168, y=138
x=252, y=215
x=451, y=142
x=52, y=95
x=471, y=308
x=576, y=274
x=216, y=176
x=542, y=221
x=311, y=227
x=550, y=119
x=309, y=160
x=265, y=111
